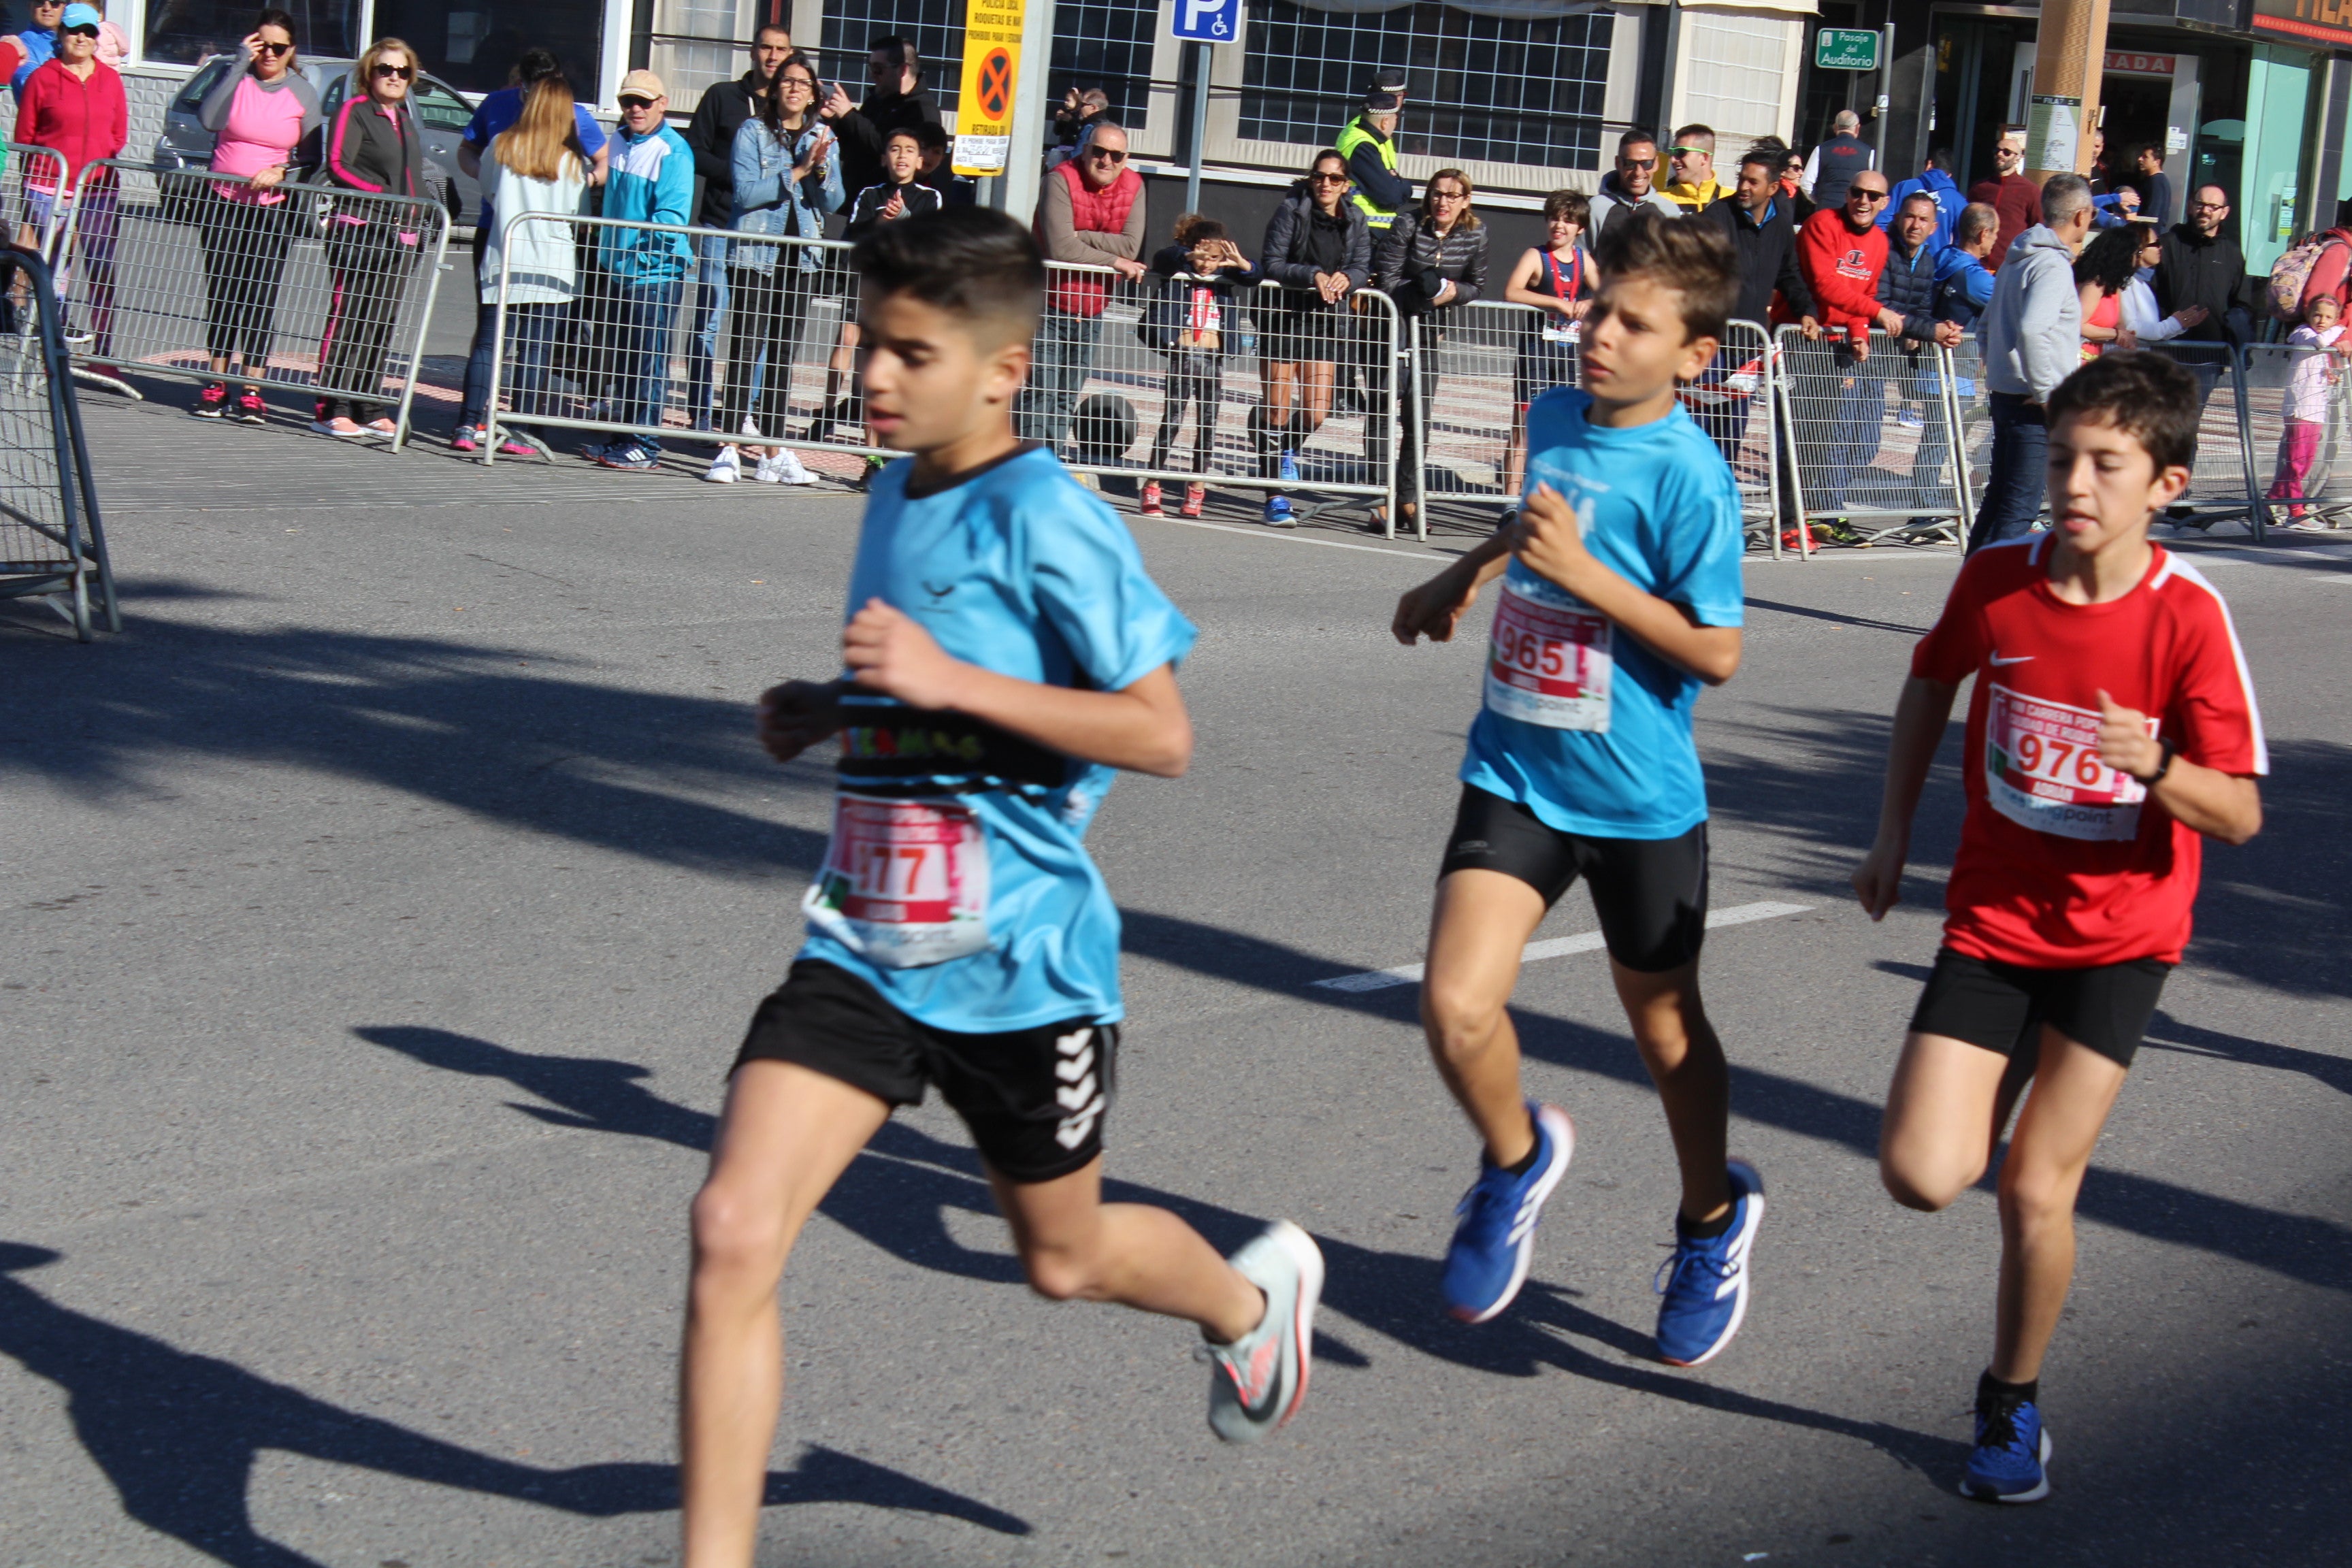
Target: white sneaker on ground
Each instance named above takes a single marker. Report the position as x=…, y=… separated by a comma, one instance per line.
x=726, y=468
x=783, y=467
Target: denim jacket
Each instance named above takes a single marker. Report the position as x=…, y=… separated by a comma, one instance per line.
x=768, y=200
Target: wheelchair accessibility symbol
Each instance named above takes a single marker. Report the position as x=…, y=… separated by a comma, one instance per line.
x=995, y=87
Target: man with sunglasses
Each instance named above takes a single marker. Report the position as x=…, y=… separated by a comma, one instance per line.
x=1691, y=161
x=35, y=46
x=2202, y=265
x=1631, y=184
x=2012, y=194
x=1089, y=212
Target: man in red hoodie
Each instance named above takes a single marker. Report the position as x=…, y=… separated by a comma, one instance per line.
x=1840, y=251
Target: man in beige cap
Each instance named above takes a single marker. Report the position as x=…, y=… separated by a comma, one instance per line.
x=651, y=181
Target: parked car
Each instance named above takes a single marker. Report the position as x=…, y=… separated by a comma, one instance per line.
x=442, y=113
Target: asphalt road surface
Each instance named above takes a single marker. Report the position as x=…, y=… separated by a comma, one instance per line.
x=383, y=906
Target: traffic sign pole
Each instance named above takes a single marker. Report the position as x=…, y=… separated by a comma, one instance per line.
x=1200, y=59
x=1203, y=24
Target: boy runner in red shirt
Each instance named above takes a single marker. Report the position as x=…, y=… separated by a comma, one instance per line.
x=2113, y=724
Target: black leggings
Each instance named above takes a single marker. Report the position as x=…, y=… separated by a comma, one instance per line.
x=245, y=262
x=763, y=314
x=1199, y=379
x=371, y=276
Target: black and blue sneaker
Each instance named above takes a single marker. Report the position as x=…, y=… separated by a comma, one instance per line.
x=1486, y=1262
x=1705, y=1283
x=2009, y=1462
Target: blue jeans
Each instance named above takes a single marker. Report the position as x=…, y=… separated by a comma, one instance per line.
x=2020, y=478
x=1066, y=354
x=1860, y=430
x=709, y=309
x=644, y=315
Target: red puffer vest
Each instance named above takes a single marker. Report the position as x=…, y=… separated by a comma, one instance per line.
x=1091, y=212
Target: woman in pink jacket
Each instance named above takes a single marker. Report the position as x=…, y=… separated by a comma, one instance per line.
x=74, y=105
x=266, y=119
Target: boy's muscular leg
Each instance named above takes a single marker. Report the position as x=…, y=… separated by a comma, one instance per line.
x=1482, y=921
x=785, y=1137
x=2075, y=1088
x=1679, y=1046
x=1075, y=1247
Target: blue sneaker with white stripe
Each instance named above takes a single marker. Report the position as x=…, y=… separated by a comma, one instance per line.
x=2011, y=1459
x=1487, y=1261
x=1705, y=1283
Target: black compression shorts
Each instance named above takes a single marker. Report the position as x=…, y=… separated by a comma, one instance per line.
x=1650, y=893
x=1034, y=1098
x=2003, y=1006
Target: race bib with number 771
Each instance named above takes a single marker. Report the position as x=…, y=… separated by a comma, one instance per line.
x=905, y=882
x=2043, y=770
x=1548, y=662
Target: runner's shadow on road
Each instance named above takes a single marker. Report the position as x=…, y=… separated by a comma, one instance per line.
x=177, y=1435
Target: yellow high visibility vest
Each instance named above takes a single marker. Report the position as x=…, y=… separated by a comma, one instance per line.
x=1352, y=137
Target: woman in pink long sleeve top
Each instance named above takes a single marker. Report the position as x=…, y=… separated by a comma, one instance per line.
x=74, y=105
x=266, y=119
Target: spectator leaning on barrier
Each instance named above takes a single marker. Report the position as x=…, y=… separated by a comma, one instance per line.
x=1690, y=164
x=2201, y=265
x=1089, y=211
x=265, y=119
x=1320, y=247
x=1763, y=233
x=1369, y=143
x=2017, y=199
x=1432, y=262
x=2101, y=273
x=1629, y=186
x=1906, y=297
x=786, y=180
x=372, y=145
x=2149, y=324
x=1963, y=283
x=1195, y=287
x=2032, y=335
x=1834, y=164
x=1842, y=253
x=1558, y=281
x=724, y=106
x=536, y=164
x=1935, y=183
x=651, y=182
x=896, y=99
x=74, y=105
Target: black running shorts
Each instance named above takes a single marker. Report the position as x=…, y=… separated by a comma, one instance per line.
x=1650, y=893
x=2003, y=1006
x=1034, y=1098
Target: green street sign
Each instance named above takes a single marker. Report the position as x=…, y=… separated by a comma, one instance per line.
x=1845, y=49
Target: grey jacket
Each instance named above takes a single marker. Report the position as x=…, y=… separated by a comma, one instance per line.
x=2033, y=330
x=1610, y=200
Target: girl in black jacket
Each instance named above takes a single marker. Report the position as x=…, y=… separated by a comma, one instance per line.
x=1431, y=262
x=1319, y=246
x=373, y=146
x=1187, y=319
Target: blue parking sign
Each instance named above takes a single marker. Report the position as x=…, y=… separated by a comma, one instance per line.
x=1208, y=21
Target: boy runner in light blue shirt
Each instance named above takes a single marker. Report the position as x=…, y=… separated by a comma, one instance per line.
x=1621, y=597
x=1006, y=653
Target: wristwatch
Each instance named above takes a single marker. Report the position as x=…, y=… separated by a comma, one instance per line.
x=2163, y=743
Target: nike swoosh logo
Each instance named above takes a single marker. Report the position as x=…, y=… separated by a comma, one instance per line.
x=1998, y=661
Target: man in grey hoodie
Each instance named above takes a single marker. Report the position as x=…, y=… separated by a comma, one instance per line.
x=1631, y=185
x=2033, y=338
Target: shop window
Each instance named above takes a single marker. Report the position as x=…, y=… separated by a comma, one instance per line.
x=934, y=26
x=472, y=45
x=185, y=31
x=1512, y=89
x=697, y=44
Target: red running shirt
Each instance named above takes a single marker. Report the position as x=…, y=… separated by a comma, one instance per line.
x=2065, y=863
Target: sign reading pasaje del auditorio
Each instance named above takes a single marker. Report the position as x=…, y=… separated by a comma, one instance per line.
x=991, y=73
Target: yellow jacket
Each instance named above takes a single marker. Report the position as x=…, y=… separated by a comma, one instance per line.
x=1695, y=198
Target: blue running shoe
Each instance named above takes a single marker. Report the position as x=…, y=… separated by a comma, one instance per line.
x=2009, y=1462
x=1288, y=473
x=1487, y=1260
x=1277, y=513
x=1705, y=1283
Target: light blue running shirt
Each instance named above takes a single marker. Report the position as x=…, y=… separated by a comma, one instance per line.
x=957, y=883
x=1583, y=724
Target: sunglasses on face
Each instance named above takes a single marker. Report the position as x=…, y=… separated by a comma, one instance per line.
x=1873, y=197
x=1107, y=154
x=1327, y=179
x=91, y=33
x=636, y=103
x=396, y=73
x=1683, y=152
x=1638, y=163
x=277, y=48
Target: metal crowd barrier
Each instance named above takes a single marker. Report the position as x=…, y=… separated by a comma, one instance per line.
x=29, y=202
x=1870, y=439
x=330, y=290
x=2298, y=431
x=52, y=545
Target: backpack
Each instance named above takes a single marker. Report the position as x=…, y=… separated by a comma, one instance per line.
x=2291, y=273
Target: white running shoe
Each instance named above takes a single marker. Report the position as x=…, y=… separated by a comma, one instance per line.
x=749, y=427
x=726, y=468
x=1259, y=1381
x=784, y=468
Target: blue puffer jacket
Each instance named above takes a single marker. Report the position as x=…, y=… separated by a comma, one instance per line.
x=768, y=200
x=1906, y=286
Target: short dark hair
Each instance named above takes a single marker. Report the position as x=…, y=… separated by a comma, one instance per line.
x=911, y=133
x=932, y=135
x=1694, y=260
x=1935, y=207
x=1573, y=205
x=535, y=64
x=902, y=48
x=1690, y=135
x=1941, y=157
x=272, y=16
x=1770, y=153
x=972, y=262
x=2150, y=396
x=1633, y=137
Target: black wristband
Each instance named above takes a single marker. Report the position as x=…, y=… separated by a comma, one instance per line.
x=2164, y=744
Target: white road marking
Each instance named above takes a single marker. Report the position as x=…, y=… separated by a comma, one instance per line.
x=1556, y=947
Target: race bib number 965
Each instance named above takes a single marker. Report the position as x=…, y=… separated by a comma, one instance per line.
x=1548, y=662
x=2043, y=770
x=905, y=882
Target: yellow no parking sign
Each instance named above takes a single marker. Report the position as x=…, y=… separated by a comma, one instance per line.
x=992, y=71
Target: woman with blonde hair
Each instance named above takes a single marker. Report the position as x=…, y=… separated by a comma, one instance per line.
x=1432, y=262
x=534, y=170
x=374, y=145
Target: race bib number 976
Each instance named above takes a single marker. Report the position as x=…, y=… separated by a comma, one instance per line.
x=2043, y=770
x=905, y=882
x=1548, y=662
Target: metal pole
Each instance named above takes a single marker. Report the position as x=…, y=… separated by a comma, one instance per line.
x=1201, y=58
x=2069, y=56
x=1884, y=109
x=1024, y=158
